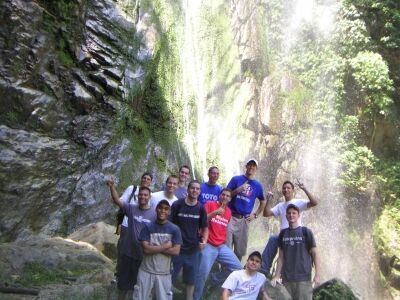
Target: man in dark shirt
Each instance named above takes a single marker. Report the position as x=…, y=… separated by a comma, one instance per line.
x=297, y=252
x=191, y=218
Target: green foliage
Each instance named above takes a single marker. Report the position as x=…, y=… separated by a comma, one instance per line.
x=333, y=292
x=63, y=54
x=351, y=33
x=35, y=274
x=358, y=163
x=383, y=17
x=387, y=230
x=388, y=178
x=96, y=294
x=372, y=76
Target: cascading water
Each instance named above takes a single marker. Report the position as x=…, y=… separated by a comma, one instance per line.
x=244, y=95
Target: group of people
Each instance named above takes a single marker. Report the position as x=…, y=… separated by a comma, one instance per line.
x=194, y=226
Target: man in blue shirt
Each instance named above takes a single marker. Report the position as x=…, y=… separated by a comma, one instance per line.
x=245, y=190
x=210, y=190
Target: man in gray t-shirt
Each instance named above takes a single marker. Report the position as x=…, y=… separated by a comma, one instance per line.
x=131, y=253
x=160, y=241
x=297, y=252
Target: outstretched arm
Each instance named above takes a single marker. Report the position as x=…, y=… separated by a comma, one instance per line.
x=267, y=209
x=114, y=193
x=313, y=201
x=317, y=265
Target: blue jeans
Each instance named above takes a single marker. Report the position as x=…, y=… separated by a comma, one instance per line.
x=222, y=254
x=189, y=262
x=269, y=254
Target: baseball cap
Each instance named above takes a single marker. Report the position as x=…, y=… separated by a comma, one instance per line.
x=163, y=201
x=252, y=160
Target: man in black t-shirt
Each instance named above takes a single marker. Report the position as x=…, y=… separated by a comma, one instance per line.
x=297, y=252
x=191, y=219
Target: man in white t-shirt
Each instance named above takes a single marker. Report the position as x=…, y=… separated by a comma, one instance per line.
x=279, y=210
x=168, y=193
x=245, y=284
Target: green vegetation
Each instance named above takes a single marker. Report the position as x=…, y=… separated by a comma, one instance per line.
x=333, y=292
x=98, y=293
x=147, y=112
x=59, y=19
x=36, y=274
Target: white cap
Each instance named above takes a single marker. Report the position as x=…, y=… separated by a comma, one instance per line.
x=252, y=159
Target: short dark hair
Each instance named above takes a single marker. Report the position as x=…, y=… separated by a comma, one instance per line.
x=147, y=174
x=184, y=166
x=193, y=181
x=293, y=207
x=211, y=168
x=171, y=176
x=226, y=190
x=288, y=182
x=255, y=253
x=145, y=188
x=163, y=201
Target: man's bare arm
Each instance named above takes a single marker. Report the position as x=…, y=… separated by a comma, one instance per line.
x=225, y=294
x=317, y=265
x=114, y=193
x=267, y=212
x=278, y=271
x=174, y=250
x=154, y=249
x=313, y=201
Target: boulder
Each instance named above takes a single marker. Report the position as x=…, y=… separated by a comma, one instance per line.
x=332, y=290
x=100, y=235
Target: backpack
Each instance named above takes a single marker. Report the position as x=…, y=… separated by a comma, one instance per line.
x=120, y=214
x=306, y=235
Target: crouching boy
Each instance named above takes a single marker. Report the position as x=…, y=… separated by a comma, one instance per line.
x=245, y=284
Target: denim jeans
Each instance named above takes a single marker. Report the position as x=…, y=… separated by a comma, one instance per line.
x=222, y=254
x=269, y=254
x=189, y=262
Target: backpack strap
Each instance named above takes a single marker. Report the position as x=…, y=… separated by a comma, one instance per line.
x=307, y=237
x=132, y=195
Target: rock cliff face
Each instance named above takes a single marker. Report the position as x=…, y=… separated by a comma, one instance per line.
x=66, y=67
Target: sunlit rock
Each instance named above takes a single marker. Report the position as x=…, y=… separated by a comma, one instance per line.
x=100, y=235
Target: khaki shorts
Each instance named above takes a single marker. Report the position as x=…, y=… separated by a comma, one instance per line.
x=238, y=235
x=299, y=290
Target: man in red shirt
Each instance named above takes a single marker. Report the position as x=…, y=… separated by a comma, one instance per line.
x=218, y=216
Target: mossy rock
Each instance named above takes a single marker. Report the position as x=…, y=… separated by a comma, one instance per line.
x=332, y=290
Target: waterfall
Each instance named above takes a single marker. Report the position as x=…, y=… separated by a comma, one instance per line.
x=245, y=92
